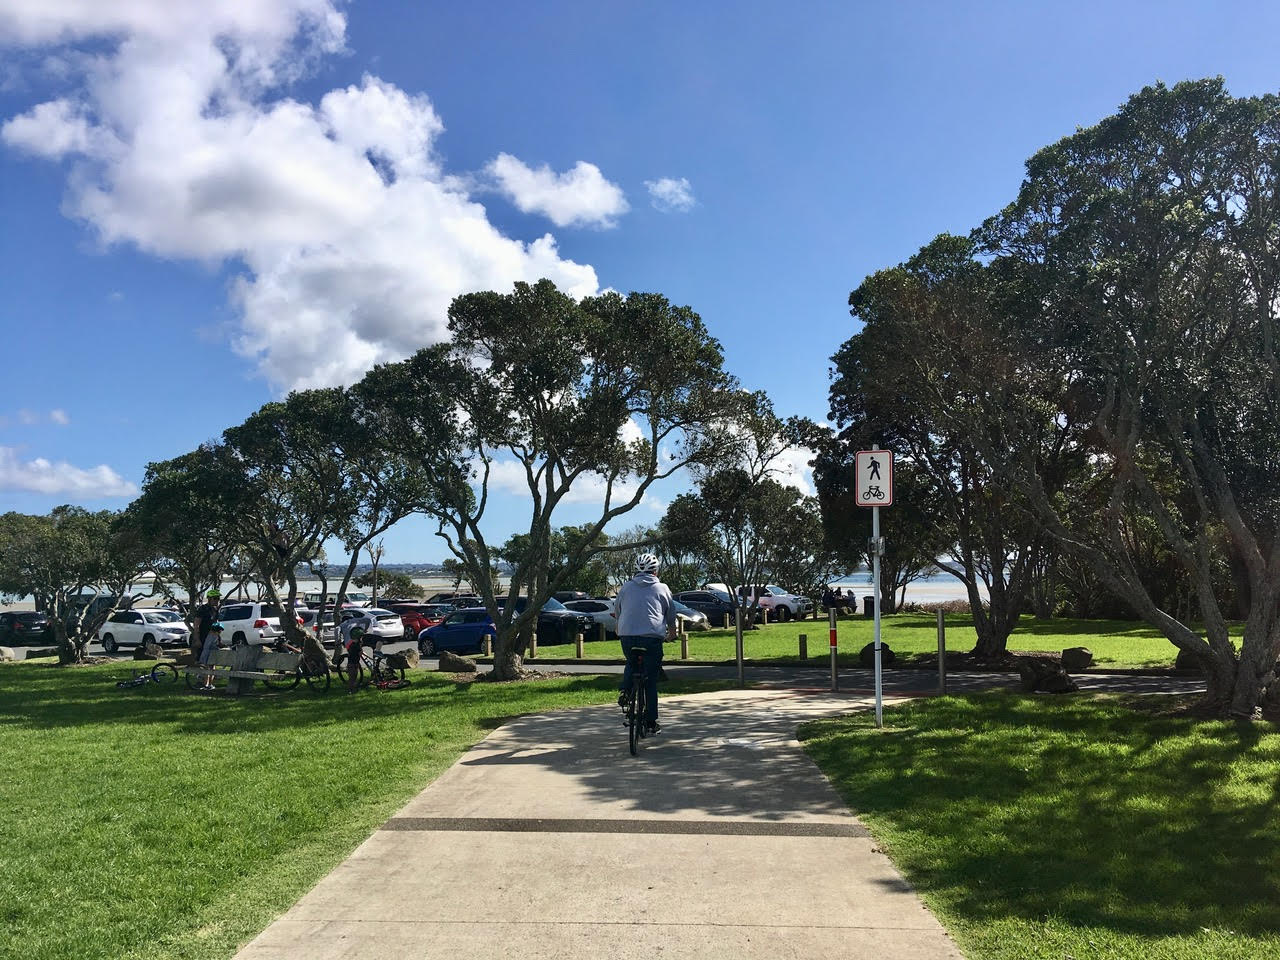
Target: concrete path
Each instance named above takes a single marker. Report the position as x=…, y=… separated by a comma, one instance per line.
x=548, y=840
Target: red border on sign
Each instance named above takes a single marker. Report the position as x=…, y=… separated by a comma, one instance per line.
x=857, y=463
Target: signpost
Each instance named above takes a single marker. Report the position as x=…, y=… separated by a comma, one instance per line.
x=873, y=487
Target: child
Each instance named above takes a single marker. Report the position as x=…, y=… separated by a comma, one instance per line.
x=211, y=643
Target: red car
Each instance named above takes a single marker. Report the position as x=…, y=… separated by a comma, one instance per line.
x=417, y=616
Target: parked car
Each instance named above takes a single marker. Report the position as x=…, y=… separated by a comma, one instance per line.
x=600, y=611
x=564, y=596
x=387, y=625
x=713, y=603
x=133, y=628
x=462, y=631
x=24, y=627
x=418, y=616
x=780, y=604
x=251, y=622
x=556, y=623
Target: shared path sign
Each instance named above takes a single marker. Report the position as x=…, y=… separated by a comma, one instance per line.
x=873, y=478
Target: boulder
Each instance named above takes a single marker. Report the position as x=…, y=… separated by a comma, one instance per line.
x=411, y=657
x=144, y=652
x=867, y=655
x=1186, y=661
x=6, y=653
x=452, y=663
x=1044, y=675
x=1076, y=658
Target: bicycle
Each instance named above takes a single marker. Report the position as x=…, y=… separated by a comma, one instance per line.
x=161, y=673
x=317, y=680
x=636, y=702
x=373, y=668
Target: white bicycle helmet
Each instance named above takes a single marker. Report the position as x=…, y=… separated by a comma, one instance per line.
x=646, y=563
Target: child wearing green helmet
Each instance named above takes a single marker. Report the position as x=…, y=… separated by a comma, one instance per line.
x=211, y=643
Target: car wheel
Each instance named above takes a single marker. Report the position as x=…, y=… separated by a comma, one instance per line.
x=409, y=635
x=237, y=639
x=426, y=648
x=148, y=638
x=109, y=643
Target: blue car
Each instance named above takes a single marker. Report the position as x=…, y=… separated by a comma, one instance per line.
x=462, y=631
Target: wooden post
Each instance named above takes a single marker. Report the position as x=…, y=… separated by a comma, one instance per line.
x=684, y=640
x=942, y=652
x=764, y=616
x=600, y=632
x=577, y=643
x=724, y=621
x=488, y=646
x=533, y=645
x=804, y=646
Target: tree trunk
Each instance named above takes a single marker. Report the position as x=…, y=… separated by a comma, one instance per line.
x=508, y=660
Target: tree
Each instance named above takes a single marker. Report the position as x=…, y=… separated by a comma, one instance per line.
x=930, y=374
x=56, y=558
x=398, y=586
x=616, y=392
x=1144, y=256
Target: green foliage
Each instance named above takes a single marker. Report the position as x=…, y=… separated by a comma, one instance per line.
x=393, y=585
x=1055, y=827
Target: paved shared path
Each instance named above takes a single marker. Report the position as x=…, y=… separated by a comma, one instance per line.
x=548, y=840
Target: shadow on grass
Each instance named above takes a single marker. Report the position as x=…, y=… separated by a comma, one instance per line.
x=1011, y=806
x=45, y=696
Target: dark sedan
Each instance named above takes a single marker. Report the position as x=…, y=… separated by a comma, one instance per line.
x=23, y=627
x=711, y=602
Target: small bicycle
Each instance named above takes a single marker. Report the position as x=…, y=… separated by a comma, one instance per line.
x=382, y=670
x=161, y=673
x=636, y=701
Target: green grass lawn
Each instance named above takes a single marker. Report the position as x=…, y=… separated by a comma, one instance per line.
x=1041, y=828
x=1115, y=643
x=157, y=823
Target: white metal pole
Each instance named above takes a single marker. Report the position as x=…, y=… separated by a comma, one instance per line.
x=875, y=570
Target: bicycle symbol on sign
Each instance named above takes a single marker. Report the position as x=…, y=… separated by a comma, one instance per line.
x=873, y=492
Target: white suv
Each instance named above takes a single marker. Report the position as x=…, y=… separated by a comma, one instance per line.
x=245, y=622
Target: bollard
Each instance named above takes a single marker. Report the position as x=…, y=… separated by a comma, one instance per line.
x=724, y=622
x=942, y=653
x=488, y=646
x=804, y=646
x=600, y=633
x=577, y=642
x=835, y=679
x=533, y=645
x=764, y=616
x=684, y=645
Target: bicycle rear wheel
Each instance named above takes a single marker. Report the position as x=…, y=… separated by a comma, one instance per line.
x=361, y=678
x=635, y=718
x=164, y=673
x=389, y=675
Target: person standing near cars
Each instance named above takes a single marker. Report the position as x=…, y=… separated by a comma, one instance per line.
x=646, y=618
x=206, y=616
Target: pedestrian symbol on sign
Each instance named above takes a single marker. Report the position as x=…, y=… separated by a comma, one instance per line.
x=873, y=478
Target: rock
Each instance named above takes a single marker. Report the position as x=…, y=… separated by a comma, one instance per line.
x=6, y=653
x=452, y=663
x=1077, y=658
x=144, y=652
x=867, y=655
x=411, y=657
x=1044, y=675
x=1186, y=661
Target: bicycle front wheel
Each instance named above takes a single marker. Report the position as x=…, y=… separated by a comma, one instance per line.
x=391, y=675
x=635, y=717
x=282, y=679
x=164, y=673
x=318, y=682
x=343, y=670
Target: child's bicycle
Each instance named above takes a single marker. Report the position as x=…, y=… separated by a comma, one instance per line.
x=161, y=673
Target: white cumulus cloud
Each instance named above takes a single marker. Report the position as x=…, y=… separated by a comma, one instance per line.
x=671, y=195
x=351, y=238
x=43, y=476
x=580, y=197
x=59, y=417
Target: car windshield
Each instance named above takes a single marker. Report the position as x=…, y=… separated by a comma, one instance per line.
x=554, y=604
x=776, y=591
x=161, y=616
x=687, y=611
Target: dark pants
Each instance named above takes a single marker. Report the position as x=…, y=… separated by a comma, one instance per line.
x=652, y=664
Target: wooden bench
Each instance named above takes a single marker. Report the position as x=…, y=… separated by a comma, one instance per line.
x=241, y=666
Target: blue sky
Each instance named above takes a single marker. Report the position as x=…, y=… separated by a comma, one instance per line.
x=185, y=236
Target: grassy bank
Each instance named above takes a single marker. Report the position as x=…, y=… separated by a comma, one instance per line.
x=156, y=823
x=1115, y=643
x=1054, y=828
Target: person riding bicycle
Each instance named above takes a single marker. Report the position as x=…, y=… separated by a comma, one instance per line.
x=646, y=617
x=212, y=641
